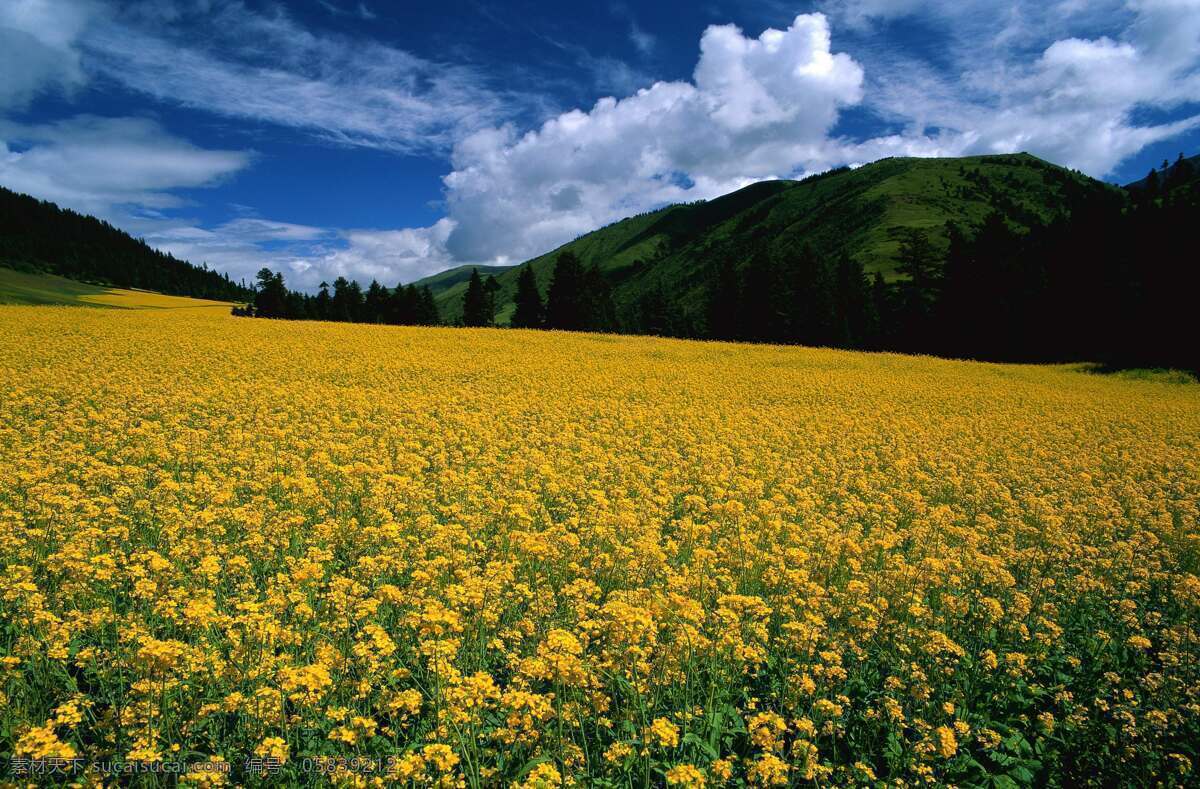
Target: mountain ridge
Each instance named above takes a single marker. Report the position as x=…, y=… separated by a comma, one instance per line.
x=862, y=212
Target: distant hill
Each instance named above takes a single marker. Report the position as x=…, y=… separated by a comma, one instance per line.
x=863, y=212
x=39, y=237
x=444, y=280
x=1183, y=176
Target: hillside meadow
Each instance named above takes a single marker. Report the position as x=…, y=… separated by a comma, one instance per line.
x=493, y=558
x=37, y=287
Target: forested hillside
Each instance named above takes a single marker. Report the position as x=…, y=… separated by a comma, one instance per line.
x=38, y=236
x=1029, y=263
x=676, y=254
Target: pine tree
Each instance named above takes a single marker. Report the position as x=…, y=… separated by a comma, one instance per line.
x=723, y=302
x=491, y=291
x=564, y=307
x=761, y=319
x=917, y=293
x=322, y=309
x=345, y=302
x=598, y=308
x=852, y=324
x=375, y=306
x=427, y=310
x=475, y=303
x=529, y=310
x=271, y=299
x=883, y=310
x=401, y=307
x=810, y=291
x=658, y=315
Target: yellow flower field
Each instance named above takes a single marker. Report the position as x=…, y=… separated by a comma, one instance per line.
x=485, y=558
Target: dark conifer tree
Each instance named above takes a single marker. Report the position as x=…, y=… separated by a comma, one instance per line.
x=598, y=308
x=271, y=299
x=407, y=306
x=724, y=302
x=1151, y=185
x=375, y=306
x=354, y=301
x=918, y=291
x=297, y=308
x=39, y=236
x=762, y=318
x=491, y=291
x=658, y=315
x=853, y=319
x=343, y=306
x=476, y=308
x=322, y=304
x=811, y=299
x=564, y=301
x=884, y=310
x=427, y=310
x=529, y=310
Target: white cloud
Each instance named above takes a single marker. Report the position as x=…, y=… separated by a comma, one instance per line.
x=389, y=256
x=1067, y=80
x=98, y=165
x=37, y=48
x=757, y=108
x=765, y=107
x=253, y=229
x=644, y=42
x=265, y=67
x=306, y=255
x=1022, y=81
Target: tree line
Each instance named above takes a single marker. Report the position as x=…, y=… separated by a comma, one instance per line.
x=404, y=305
x=579, y=299
x=1109, y=279
x=36, y=235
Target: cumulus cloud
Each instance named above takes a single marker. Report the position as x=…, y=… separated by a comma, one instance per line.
x=98, y=165
x=756, y=108
x=389, y=256
x=765, y=107
x=1022, y=82
x=1071, y=81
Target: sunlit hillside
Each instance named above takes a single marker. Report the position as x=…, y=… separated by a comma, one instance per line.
x=489, y=557
x=21, y=287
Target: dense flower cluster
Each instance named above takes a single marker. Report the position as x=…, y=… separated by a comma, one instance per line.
x=486, y=558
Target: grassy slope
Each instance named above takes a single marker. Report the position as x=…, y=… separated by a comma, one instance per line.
x=444, y=280
x=861, y=211
x=20, y=287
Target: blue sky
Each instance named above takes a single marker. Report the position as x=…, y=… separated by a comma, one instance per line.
x=391, y=140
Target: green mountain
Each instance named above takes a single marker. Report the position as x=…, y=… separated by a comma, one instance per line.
x=863, y=212
x=444, y=280
x=38, y=237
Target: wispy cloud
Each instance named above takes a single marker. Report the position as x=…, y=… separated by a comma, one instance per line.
x=267, y=68
x=1068, y=80
x=644, y=42
x=108, y=166
x=37, y=49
